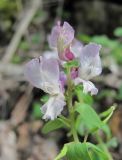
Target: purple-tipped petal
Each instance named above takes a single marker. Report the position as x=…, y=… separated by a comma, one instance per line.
x=53, y=107
x=90, y=63
x=88, y=86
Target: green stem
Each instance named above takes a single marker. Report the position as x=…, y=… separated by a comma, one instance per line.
x=73, y=130
x=65, y=121
x=70, y=107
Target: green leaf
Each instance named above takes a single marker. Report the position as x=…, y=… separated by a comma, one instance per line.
x=106, y=129
x=36, y=112
x=81, y=151
x=105, y=41
x=84, y=38
x=117, y=53
x=44, y=98
x=80, y=126
x=119, y=96
x=109, y=113
x=52, y=125
x=24, y=45
x=16, y=59
x=96, y=153
x=83, y=97
x=36, y=38
x=104, y=148
x=62, y=153
x=118, y=32
x=88, y=117
x=65, y=121
x=77, y=151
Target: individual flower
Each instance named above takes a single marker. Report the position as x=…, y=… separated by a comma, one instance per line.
x=90, y=66
x=44, y=73
x=60, y=38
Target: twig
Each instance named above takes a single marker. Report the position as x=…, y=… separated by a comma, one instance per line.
x=11, y=69
x=20, y=110
x=22, y=27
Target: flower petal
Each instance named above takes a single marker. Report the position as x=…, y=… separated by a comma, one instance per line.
x=44, y=74
x=50, y=70
x=76, y=48
x=53, y=37
x=53, y=107
x=63, y=78
x=33, y=73
x=90, y=63
x=61, y=36
x=91, y=50
x=67, y=33
x=78, y=80
x=88, y=86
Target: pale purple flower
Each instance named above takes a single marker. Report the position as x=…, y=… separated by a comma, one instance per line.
x=88, y=86
x=90, y=63
x=90, y=66
x=61, y=38
x=44, y=74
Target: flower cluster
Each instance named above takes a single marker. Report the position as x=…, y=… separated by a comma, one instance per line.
x=47, y=72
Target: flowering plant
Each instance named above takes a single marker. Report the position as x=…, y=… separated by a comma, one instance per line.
x=65, y=73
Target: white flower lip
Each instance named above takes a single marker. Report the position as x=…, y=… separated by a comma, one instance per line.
x=53, y=107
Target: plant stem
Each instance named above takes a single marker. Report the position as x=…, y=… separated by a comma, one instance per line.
x=70, y=107
x=85, y=138
x=73, y=130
